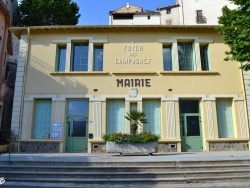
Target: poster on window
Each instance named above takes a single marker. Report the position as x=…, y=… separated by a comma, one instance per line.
x=56, y=131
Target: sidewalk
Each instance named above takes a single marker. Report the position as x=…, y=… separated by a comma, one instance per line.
x=106, y=157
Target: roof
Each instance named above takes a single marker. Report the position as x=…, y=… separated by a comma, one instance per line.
x=19, y=30
x=168, y=7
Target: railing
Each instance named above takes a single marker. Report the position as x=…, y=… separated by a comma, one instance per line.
x=201, y=19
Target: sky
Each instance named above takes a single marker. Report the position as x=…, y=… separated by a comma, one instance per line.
x=96, y=12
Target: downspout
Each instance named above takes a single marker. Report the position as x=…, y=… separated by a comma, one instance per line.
x=182, y=12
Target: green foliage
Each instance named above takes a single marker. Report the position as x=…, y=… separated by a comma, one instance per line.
x=120, y=138
x=48, y=12
x=236, y=32
x=137, y=118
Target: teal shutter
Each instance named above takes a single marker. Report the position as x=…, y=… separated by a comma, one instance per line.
x=152, y=108
x=42, y=118
x=224, y=118
x=115, y=116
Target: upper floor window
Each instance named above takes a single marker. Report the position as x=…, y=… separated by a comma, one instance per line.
x=98, y=58
x=186, y=56
x=204, y=57
x=167, y=58
x=61, y=58
x=168, y=11
x=199, y=17
x=80, y=57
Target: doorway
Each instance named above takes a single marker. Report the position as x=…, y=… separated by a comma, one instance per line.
x=77, y=126
x=190, y=121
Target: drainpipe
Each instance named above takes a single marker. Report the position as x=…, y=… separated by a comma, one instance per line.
x=182, y=12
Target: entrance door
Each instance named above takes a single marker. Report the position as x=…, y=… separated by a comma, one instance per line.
x=191, y=135
x=191, y=138
x=77, y=133
x=77, y=126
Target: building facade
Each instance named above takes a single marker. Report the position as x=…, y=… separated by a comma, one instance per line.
x=184, y=12
x=133, y=15
x=8, y=17
x=76, y=83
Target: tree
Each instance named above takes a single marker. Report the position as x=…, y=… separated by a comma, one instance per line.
x=137, y=117
x=48, y=12
x=235, y=31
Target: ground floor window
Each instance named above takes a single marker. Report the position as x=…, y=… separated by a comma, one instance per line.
x=224, y=118
x=115, y=115
x=42, y=119
x=152, y=108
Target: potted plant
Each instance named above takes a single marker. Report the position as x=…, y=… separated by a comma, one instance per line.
x=143, y=142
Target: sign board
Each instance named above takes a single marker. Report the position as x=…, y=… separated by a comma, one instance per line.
x=56, y=131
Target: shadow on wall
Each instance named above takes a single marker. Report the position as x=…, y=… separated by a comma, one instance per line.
x=42, y=71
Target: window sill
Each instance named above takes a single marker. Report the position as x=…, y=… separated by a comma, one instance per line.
x=133, y=72
x=39, y=140
x=78, y=73
x=190, y=72
x=227, y=140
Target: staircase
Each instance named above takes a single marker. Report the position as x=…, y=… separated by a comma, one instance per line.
x=80, y=174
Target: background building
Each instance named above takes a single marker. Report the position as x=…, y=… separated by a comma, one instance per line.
x=184, y=12
x=8, y=62
x=77, y=82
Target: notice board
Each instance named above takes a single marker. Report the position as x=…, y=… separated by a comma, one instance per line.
x=56, y=131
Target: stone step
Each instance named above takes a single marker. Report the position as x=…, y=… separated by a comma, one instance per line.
x=122, y=163
x=229, y=184
x=114, y=181
x=132, y=175
x=123, y=168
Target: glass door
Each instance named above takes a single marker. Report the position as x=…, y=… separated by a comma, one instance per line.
x=77, y=126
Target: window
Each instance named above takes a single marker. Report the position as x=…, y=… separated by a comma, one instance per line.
x=204, y=57
x=98, y=58
x=168, y=11
x=200, y=18
x=186, y=56
x=42, y=118
x=61, y=58
x=152, y=108
x=115, y=116
x=80, y=57
x=224, y=118
x=167, y=58
x=148, y=17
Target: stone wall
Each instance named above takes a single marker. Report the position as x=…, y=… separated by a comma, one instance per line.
x=39, y=147
x=167, y=147
x=98, y=148
x=228, y=146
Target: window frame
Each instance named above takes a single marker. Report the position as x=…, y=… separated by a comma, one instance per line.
x=97, y=46
x=171, y=56
x=34, y=127
x=208, y=65
x=83, y=43
x=193, y=55
x=57, y=67
x=227, y=126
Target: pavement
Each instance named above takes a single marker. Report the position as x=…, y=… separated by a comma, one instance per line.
x=107, y=157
